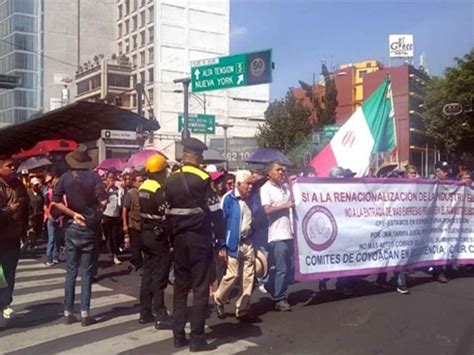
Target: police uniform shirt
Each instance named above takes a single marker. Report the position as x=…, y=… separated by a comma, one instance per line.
x=152, y=203
x=195, y=207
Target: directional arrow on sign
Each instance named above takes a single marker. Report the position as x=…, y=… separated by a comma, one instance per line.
x=197, y=73
x=240, y=79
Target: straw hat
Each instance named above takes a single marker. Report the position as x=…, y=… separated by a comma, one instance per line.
x=261, y=264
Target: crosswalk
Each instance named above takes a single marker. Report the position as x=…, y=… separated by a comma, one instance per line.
x=37, y=327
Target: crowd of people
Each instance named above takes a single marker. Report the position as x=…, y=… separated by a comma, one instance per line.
x=198, y=227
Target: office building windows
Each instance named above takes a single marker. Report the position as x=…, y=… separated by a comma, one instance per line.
x=142, y=58
x=151, y=76
x=151, y=35
x=151, y=14
x=151, y=55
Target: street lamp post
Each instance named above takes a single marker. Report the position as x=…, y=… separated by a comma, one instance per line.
x=185, y=81
x=225, y=126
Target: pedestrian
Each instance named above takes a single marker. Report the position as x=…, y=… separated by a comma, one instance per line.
x=111, y=222
x=277, y=203
x=53, y=226
x=442, y=172
x=86, y=198
x=195, y=215
x=132, y=221
x=229, y=182
x=35, y=214
x=14, y=204
x=239, y=248
x=155, y=241
x=466, y=178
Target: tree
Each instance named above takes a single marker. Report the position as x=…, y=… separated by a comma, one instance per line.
x=286, y=124
x=454, y=133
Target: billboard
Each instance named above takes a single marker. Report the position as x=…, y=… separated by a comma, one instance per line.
x=401, y=46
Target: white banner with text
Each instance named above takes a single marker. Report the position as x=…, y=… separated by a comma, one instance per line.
x=346, y=227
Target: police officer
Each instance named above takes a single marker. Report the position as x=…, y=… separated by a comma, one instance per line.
x=194, y=214
x=155, y=244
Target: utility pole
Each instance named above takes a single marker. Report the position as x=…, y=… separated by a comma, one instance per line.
x=204, y=102
x=185, y=81
x=225, y=126
x=139, y=88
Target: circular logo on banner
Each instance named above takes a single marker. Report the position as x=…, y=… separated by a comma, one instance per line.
x=319, y=228
x=257, y=67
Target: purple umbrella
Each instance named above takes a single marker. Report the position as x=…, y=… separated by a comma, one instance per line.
x=112, y=163
x=267, y=155
x=140, y=158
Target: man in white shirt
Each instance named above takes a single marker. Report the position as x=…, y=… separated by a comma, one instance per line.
x=277, y=204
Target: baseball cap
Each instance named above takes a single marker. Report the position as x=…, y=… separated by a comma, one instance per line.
x=35, y=181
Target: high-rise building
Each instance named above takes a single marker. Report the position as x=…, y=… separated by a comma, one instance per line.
x=44, y=42
x=349, y=83
x=161, y=38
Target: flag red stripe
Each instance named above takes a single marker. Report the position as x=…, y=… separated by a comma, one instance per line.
x=324, y=161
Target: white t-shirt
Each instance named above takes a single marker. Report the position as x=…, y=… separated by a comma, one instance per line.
x=279, y=222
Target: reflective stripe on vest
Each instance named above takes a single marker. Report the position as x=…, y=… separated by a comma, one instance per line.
x=152, y=216
x=193, y=170
x=150, y=185
x=184, y=211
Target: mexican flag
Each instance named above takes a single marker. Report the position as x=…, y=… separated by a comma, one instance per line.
x=370, y=130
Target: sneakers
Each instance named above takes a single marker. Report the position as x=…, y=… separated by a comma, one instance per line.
x=8, y=312
x=163, y=324
x=146, y=318
x=219, y=308
x=247, y=317
x=262, y=288
x=403, y=290
x=117, y=261
x=49, y=263
x=442, y=278
x=55, y=261
x=282, y=306
x=87, y=321
x=69, y=319
x=197, y=345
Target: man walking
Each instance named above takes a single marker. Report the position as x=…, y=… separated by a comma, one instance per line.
x=194, y=213
x=276, y=202
x=155, y=244
x=86, y=197
x=14, y=203
x=239, y=248
x=132, y=221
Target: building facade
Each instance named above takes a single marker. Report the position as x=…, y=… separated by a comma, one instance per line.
x=44, y=43
x=408, y=90
x=349, y=80
x=161, y=38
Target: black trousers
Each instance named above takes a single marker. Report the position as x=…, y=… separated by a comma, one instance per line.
x=111, y=227
x=192, y=262
x=156, y=269
x=9, y=261
x=137, y=259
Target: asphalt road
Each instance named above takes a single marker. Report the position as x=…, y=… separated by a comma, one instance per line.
x=434, y=319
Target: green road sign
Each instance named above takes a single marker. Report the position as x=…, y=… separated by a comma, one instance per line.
x=330, y=130
x=204, y=124
x=233, y=71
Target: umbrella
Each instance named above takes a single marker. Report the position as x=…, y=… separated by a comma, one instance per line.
x=112, y=163
x=212, y=156
x=140, y=158
x=267, y=155
x=34, y=163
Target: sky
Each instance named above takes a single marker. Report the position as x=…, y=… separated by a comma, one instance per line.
x=302, y=32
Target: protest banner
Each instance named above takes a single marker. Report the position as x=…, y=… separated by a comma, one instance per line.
x=346, y=227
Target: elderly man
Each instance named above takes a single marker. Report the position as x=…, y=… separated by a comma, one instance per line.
x=277, y=203
x=238, y=247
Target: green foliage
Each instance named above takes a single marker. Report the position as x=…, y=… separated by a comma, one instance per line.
x=328, y=115
x=286, y=124
x=455, y=133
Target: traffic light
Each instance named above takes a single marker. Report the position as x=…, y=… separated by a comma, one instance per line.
x=452, y=109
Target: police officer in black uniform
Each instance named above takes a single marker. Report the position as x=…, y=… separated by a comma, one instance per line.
x=155, y=244
x=194, y=214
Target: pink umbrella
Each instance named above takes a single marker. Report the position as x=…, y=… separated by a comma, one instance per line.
x=112, y=163
x=140, y=157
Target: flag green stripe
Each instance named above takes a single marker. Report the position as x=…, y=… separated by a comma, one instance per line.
x=377, y=110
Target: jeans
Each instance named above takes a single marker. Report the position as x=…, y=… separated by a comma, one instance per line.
x=80, y=251
x=54, y=240
x=281, y=256
x=8, y=261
